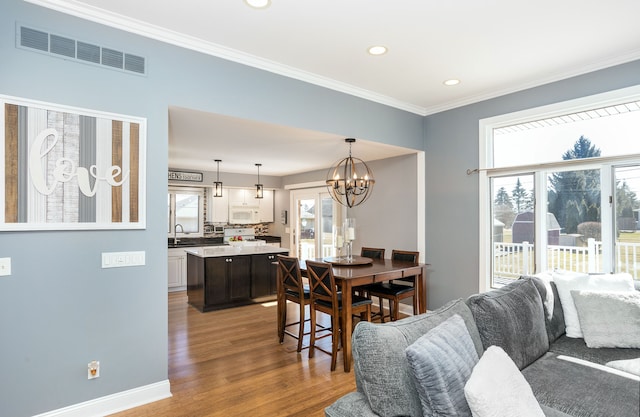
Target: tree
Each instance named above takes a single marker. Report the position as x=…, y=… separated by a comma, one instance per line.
x=626, y=202
x=520, y=196
x=503, y=207
x=574, y=196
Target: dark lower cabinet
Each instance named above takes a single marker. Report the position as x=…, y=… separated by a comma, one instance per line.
x=227, y=280
x=263, y=277
x=214, y=283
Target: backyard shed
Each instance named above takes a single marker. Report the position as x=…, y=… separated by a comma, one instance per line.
x=523, y=228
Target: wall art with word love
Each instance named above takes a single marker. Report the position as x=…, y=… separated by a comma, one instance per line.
x=66, y=168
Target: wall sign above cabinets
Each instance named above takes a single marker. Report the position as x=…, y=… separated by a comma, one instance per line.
x=185, y=176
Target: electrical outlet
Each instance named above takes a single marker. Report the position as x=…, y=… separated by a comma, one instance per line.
x=93, y=369
x=5, y=266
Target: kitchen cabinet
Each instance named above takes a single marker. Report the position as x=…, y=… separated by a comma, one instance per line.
x=177, y=269
x=265, y=207
x=218, y=282
x=246, y=198
x=243, y=197
x=229, y=277
x=218, y=208
x=263, y=275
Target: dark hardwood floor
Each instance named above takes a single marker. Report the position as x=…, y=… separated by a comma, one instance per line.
x=229, y=363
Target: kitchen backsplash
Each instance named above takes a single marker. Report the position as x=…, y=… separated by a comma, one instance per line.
x=260, y=229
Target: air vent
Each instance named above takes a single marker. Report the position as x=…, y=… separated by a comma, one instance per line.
x=88, y=52
x=63, y=46
x=134, y=63
x=112, y=58
x=35, y=39
x=68, y=48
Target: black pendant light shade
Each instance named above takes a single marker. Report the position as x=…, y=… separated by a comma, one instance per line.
x=217, y=184
x=259, y=187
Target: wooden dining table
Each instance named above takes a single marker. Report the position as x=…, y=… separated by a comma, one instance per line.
x=349, y=276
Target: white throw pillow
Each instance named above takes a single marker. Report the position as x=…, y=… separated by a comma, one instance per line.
x=609, y=319
x=572, y=281
x=496, y=388
x=546, y=278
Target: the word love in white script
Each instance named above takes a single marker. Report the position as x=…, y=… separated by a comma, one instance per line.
x=66, y=169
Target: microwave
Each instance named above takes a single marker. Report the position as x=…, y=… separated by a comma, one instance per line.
x=244, y=215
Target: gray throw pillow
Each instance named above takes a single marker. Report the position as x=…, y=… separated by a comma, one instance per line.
x=609, y=319
x=512, y=317
x=441, y=362
x=380, y=363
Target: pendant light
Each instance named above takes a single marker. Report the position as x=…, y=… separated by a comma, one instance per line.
x=217, y=185
x=350, y=181
x=259, y=187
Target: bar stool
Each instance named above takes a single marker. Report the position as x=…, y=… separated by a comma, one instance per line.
x=326, y=298
x=396, y=292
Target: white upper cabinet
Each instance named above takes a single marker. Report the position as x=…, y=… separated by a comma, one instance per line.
x=218, y=207
x=242, y=197
x=237, y=200
x=265, y=210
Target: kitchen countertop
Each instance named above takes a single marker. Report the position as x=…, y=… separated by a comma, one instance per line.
x=227, y=250
x=186, y=242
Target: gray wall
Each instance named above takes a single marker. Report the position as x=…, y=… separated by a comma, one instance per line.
x=452, y=195
x=388, y=218
x=60, y=310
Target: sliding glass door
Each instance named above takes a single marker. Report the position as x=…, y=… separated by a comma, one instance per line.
x=314, y=214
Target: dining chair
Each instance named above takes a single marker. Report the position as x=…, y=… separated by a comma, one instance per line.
x=326, y=298
x=291, y=287
x=373, y=253
x=394, y=291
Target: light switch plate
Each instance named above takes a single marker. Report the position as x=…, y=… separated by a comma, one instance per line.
x=5, y=266
x=122, y=259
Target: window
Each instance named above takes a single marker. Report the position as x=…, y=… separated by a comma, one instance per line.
x=185, y=212
x=560, y=189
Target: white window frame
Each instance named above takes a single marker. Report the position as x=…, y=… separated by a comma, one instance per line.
x=485, y=164
x=172, y=215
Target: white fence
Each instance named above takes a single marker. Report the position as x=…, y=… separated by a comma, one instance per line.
x=308, y=251
x=511, y=260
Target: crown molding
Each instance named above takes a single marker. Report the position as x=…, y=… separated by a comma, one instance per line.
x=574, y=72
x=138, y=27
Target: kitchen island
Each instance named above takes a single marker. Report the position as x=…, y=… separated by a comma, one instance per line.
x=229, y=276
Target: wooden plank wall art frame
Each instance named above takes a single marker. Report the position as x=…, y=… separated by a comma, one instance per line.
x=66, y=168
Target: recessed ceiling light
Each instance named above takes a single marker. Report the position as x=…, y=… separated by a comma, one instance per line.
x=377, y=50
x=258, y=4
x=452, y=81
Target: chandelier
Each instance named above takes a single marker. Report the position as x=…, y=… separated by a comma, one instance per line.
x=350, y=181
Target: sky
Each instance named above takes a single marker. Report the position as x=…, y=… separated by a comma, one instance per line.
x=613, y=135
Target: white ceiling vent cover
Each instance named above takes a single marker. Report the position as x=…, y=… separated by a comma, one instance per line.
x=68, y=48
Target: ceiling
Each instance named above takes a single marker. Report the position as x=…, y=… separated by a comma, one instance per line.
x=493, y=47
x=240, y=144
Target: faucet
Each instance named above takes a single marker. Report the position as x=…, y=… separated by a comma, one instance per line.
x=175, y=234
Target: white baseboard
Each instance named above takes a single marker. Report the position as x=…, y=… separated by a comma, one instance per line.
x=114, y=403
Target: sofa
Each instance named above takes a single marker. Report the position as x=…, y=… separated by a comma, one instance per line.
x=430, y=364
